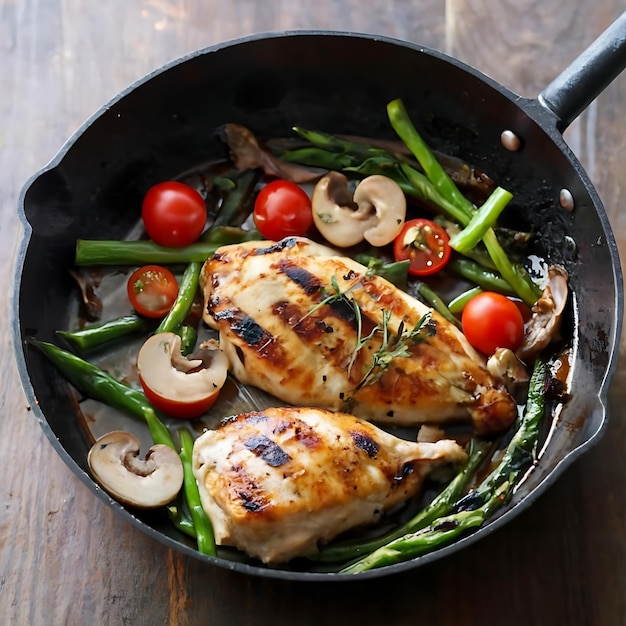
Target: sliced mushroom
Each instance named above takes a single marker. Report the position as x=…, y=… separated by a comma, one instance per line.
x=545, y=323
x=143, y=483
x=375, y=212
x=179, y=386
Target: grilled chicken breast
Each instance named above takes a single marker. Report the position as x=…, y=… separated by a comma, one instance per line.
x=277, y=483
x=316, y=329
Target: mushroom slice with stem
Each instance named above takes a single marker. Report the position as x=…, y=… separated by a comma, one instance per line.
x=179, y=386
x=375, y=212
x=143, y=483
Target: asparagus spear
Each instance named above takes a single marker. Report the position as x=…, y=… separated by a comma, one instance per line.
x=478, y=506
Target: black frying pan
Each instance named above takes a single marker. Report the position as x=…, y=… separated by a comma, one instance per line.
x=340, y=83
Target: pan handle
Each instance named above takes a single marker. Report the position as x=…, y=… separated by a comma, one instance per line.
x=569, y=94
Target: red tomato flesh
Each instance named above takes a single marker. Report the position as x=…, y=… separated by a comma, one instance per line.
x=491, y=321
x=425, y=244
x=282, y=209
x=174, y=214
x=152, y=290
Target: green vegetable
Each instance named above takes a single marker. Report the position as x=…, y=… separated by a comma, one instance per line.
x=105, y=252
x=481, y=221
x=457, y=305
x=236, y=204
x=435, y=302
x=479, y=275
x=404, y=128
x=440, y=505
x=187, y=290
x=514, y=275
x=441, y=532
x=201, y=523
x=99, y=385
x=179, y=518
x=95, y=335
x=396, y=272
x=520, y=453
x=478, y=506
x=188, y=338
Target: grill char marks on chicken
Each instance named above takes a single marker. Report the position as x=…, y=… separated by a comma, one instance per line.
x=277, y=483
x=293, y=318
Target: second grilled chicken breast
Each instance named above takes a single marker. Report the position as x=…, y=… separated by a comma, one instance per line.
x=278, y=482
x=317, y=329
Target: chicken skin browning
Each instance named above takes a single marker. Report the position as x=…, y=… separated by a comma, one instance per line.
x=277, y=483
x=316, y=329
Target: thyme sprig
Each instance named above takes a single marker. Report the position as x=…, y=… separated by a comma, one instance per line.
x=393, y=345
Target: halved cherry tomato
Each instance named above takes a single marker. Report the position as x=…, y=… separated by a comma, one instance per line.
x=491, y=321
x=152, y=290
x=425, y=244
x=176, y=408
x=174, y=214
x=282, y=209
x=180, y=387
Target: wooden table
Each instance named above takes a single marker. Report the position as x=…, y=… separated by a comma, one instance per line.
x=67, y=559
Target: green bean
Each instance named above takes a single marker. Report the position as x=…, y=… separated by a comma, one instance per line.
x=187, y=290
x=99, y=385
x=202, y=525
x=479, y=505
x=457, y=305
x=481, y=276
x=95, y=335
x=435, y=302
x=404, y=128
x=515, y=275
x=188, y=338
x=178, y=517
x=440, y=533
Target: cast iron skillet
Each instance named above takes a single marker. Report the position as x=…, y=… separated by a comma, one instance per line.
x=340, y=83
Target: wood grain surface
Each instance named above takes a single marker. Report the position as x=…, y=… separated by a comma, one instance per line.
x=65, y=558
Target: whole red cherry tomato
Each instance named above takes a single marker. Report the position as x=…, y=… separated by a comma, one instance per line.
x=282, y=209
x=152, y=290
x=174, y=214
x=425, y=244
x=491, y=321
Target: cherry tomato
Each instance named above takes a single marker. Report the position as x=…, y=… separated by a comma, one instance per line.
x=181, y=409
x=425, y=244
x=173, y=214
x=282, y=209
x=491, y=321
x=152, y=290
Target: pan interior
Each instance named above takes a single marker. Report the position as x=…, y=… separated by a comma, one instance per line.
x=336, y=83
